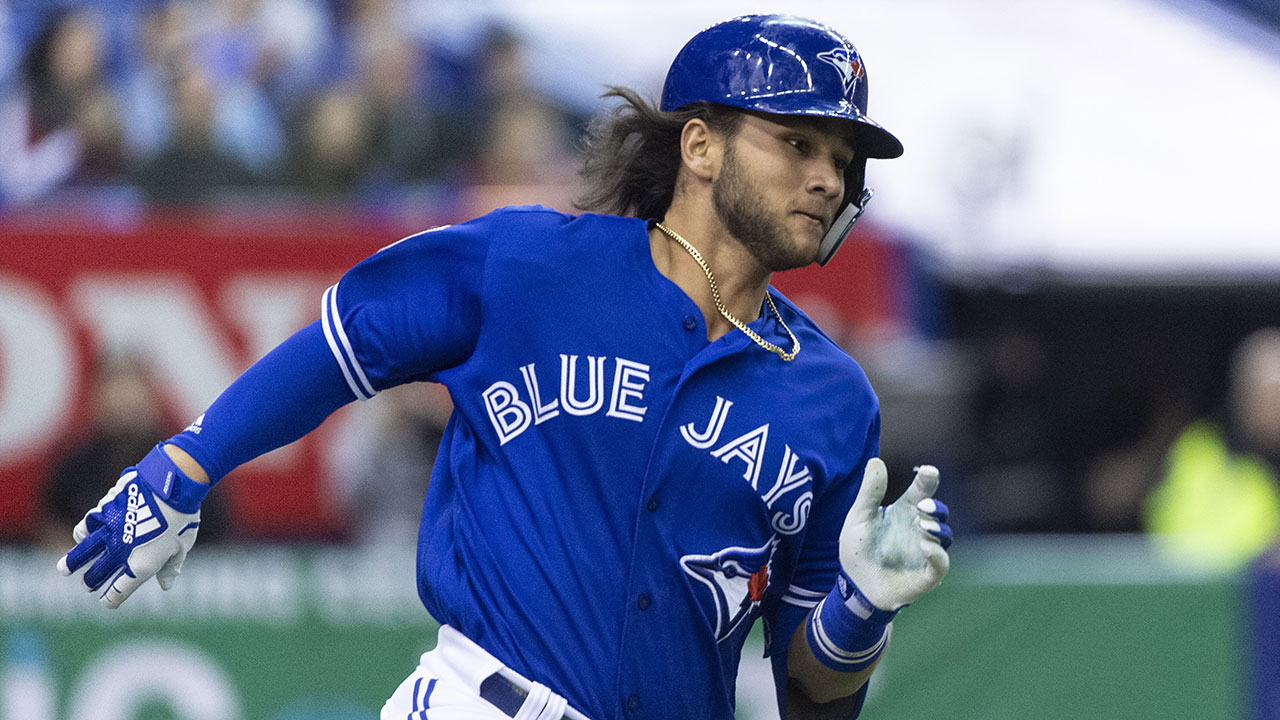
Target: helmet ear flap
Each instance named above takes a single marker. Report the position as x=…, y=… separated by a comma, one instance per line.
x=855, y=179
x=856, y=197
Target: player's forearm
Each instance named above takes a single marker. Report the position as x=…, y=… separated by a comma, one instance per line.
x=820, y=683
x=284, y=396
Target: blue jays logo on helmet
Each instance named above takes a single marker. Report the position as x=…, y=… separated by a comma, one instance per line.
x=848, y=64
x=737, y=578
x=777, y=64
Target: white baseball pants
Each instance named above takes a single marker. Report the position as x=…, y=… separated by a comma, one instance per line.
x=459, y=680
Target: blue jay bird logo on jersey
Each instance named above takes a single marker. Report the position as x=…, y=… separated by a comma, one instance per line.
x=848, y=64
x=737, y=578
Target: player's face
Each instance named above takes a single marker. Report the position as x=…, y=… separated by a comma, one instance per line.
x=780, y=185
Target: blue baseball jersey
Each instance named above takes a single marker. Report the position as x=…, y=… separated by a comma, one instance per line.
x=616, y=500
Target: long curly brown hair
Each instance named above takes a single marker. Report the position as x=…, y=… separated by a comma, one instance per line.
x=632, y=153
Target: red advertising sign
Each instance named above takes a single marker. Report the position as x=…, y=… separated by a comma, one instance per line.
x=200, y=296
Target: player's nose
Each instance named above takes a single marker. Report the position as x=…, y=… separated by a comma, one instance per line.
x=825, y=178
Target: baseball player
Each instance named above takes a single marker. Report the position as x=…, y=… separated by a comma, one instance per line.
x=651, y=448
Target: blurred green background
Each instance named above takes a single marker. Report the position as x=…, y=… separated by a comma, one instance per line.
x=1024, y=627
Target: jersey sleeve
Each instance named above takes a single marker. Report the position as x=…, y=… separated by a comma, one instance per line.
x=409, y=310
x=817, y=566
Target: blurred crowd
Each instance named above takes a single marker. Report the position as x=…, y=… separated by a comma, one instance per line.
x=177, y=101
x=1123, y=410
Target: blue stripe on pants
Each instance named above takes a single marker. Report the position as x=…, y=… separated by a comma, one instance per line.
x=426, y=698
x=414, y=709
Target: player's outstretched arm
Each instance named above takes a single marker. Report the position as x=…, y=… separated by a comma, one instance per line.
x=145, y=525
x=889, y=557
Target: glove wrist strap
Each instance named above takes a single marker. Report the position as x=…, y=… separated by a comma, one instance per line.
x=170, y=484
x=846, y=632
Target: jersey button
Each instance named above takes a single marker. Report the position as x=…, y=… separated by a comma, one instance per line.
x=690, y=324
x=633, y=702
x=643, y=601
x=653, y=503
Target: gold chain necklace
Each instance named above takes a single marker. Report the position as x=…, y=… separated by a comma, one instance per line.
x=715, y=296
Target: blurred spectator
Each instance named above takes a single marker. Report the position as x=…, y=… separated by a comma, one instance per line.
x=1218, y=505
x=413, y=141
x=383, y=465
x=1143, y=399
x=526, y=142
x=63, y=65
x=242, y=48
x=297, y=47
x=192, y=167
x=125, y=417
x=188, y=99
x=98, y=124
x=1118, y=480
x=526, y=138
x=1017, y=486
x=161, y=51
x=230, y=46
x=40, y=141
x=331, y=159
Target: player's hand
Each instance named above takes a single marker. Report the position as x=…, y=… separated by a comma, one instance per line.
x=143, y=526
x=895, y=554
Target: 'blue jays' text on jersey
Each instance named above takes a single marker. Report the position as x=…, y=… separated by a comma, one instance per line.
x=616, y=499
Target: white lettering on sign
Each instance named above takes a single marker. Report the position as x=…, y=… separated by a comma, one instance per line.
x=185, y=679
x=38, y=368
x=164, y=320
x=160, y=317
x=270, y=308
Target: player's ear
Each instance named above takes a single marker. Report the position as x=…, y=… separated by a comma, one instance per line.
x=700, y=149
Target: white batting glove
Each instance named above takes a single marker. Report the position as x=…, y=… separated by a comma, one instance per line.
x=888, y=558
x=143, y=526
x=896, y=554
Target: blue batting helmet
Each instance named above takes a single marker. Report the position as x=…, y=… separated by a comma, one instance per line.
x=785, y=65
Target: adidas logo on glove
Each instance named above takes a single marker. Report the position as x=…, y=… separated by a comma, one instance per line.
x=138, y=518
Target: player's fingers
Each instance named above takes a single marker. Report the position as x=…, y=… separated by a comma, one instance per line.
x=875, y=480
x=100, y=571
x=169, y=573
x=938, y=531
x=936, y=556
x=143, y=563
x=120, y=588
x=923, y=486
x=85, y=550
x=935, y=508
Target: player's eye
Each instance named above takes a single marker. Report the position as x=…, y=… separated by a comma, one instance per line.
x=800, y=144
